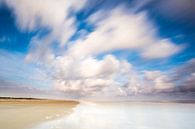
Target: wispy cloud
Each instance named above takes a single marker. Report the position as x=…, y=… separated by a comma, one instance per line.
x=119, y=29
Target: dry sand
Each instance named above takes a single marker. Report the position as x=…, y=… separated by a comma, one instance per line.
x=25, y=113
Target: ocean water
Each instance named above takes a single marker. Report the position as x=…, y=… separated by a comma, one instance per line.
x=126, y=115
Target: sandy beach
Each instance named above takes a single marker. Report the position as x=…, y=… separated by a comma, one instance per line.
x=25, y=113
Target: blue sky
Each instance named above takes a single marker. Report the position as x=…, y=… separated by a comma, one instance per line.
x=97, y=48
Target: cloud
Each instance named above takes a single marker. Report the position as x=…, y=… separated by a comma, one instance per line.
x=50, y=14
x=187, y=68
x=54, y=22
x=40, y=51
x=128, y=30
x=179, y=79
x=119, y=29
x=75, y=69
x=89, y=75
x=162, y=49
x=158, y=80
x=184, y=75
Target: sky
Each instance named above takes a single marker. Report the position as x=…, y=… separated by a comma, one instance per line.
x=99, y=49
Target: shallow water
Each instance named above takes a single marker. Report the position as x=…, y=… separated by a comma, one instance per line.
x=126, y=116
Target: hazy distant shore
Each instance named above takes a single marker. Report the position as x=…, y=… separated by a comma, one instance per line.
x=28, y=100
x=42, y=100
x=22, y=113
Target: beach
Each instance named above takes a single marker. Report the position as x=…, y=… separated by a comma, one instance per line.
x=57, y=114
x=26, y=113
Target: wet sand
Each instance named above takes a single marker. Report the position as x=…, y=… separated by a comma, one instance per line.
x=26, y=113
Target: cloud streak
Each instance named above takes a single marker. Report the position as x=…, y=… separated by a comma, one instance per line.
x=119, y=29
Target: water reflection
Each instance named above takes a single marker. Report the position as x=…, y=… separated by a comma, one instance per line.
x=126, y=116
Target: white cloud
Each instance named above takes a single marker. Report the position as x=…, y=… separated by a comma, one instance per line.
x=120, y=29
x=161, y=50
x=51, y=14
x=40, y=51
x=158, y=80
x=89, y=75
x=107, y=77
